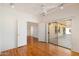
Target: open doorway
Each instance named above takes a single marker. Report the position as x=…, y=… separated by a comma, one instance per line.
x=32, y=32
x=59, y=33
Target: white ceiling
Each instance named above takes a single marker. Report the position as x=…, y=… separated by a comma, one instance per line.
x=70, y=11
x=36, y=9
x=32, y=8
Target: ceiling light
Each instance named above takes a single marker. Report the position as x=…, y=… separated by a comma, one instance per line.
x=61, y=6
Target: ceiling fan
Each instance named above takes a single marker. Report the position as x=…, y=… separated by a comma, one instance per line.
x=45, y=12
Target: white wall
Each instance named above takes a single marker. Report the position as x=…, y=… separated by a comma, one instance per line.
x=8, y=28
x=75, y=34
x=0, y=42
x=41, y=32
x=13, y=27
x=0, y=27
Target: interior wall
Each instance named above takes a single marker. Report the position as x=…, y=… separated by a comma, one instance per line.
x=42, y=32
x=75, y=33
x=13, y=27
x=0, y=32
x=1, y=26
x=8, y=26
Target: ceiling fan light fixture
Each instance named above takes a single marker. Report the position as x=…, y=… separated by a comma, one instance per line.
x=12, y=5
x=61, y=6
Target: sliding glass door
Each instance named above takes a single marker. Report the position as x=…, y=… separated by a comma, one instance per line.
x=59, y=33
x=64, y=35
x=52, y=33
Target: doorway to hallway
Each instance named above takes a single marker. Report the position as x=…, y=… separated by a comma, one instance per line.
x=32, y=32
x=59, y=33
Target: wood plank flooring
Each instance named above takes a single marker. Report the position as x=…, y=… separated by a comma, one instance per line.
x=36, y=48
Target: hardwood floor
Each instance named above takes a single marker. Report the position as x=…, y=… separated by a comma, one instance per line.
x=36, y=48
